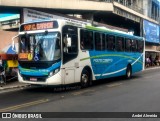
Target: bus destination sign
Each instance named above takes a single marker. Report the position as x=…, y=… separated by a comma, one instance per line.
x=39, y=26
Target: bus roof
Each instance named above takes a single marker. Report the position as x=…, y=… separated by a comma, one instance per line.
x=114, y=32
x=89, y=26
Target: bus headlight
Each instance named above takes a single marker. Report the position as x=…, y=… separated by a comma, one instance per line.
x=51, y=74
x=54, y=72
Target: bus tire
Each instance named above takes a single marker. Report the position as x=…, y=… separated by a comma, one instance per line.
x=128, y=72
x=85, y=78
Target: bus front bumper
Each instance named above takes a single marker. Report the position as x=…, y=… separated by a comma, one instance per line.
x=53, y=80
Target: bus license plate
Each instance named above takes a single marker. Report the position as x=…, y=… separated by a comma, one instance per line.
x=33, y=79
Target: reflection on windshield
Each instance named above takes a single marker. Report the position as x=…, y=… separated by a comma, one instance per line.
x=40, y=47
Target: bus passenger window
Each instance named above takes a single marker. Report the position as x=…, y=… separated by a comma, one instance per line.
x=128, y=45
x=134, y=45
x=111, y=42
x=24, y=45
x=86, y=40
x=140, y=46
x=99, y=41
x=106, y=38
x=74, y=47
x=120, y=44
x=70, y=43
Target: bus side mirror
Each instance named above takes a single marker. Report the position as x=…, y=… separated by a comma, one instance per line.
x=13, y=43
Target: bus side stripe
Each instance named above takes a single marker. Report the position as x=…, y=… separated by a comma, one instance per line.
x=106, y=74
x=99, y=56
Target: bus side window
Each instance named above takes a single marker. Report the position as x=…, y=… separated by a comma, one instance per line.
x=86, y=40
x=140, y=46
x=99, y=41
x=24, y=44
x=74, y=47
x=70, y=46
x=128, y=45
x=119, y=43
x=106, y=44
x=134, y=45
x=111, y=42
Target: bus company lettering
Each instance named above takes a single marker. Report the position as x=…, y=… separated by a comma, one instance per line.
x=102, y=60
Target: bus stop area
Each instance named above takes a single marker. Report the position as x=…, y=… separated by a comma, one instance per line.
x=152, y=59
x=13, y=84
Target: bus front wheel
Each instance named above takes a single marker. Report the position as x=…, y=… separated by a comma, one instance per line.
x=128, y=72
x=85, y=78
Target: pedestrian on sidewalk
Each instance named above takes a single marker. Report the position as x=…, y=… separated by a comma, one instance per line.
x=2, y=72
x=0, y=61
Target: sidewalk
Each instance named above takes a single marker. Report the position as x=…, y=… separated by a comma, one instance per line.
x=12, y=84
x=152, y=67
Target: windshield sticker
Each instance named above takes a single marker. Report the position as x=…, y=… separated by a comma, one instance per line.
x=30, y=56
x=23, y=55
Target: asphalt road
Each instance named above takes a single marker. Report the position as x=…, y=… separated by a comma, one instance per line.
x=139, y=94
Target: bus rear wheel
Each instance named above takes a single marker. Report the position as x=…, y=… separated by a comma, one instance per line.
x=128, y=72
x=85, y=79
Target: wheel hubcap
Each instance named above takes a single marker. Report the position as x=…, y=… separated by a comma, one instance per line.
x=128, y=73
x=84, y=78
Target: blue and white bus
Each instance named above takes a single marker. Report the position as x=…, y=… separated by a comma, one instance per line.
x=61, y=52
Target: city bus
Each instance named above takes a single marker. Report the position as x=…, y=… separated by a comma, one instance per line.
x=61, y=52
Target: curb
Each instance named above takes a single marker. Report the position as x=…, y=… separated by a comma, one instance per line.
x=151, y=68
x=14, y=87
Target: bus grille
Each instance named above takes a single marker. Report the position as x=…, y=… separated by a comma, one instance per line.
x=38, y=79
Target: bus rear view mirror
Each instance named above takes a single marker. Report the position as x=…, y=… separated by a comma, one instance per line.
x=13, y=42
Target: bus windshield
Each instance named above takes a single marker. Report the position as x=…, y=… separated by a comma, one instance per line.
x=39, y=47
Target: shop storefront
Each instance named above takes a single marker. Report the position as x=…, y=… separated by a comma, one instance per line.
x=152, y=43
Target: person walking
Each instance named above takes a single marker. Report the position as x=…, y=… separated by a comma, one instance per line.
x=2, y=72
